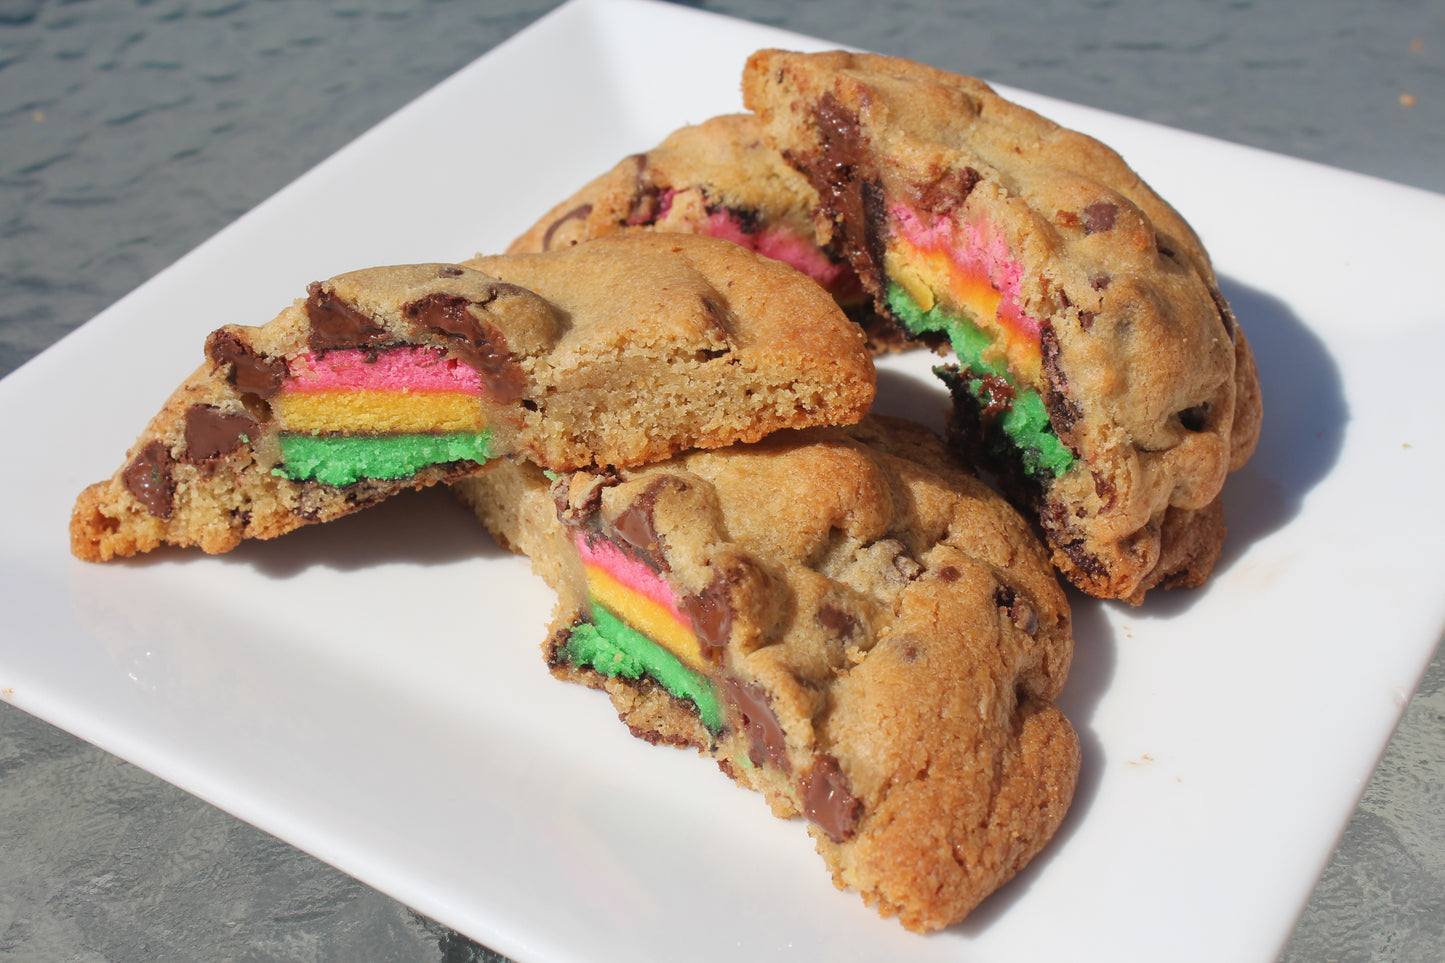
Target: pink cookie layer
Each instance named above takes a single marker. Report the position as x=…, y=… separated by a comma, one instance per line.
x=604, y=555
x=406, y=369
x=780, y=244
x=975, y=250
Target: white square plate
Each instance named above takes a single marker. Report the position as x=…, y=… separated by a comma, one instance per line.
x=372, y=690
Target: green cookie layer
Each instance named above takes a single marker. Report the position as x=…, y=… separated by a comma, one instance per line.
x=612, y=647
x=1026, y=422
x=346, y=459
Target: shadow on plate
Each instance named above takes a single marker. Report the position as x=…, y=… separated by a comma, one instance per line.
x=423, y=528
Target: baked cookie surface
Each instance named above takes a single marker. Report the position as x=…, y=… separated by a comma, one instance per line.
x=1100, y=374
x=400, y=377
x=845, y=621
x=719, y=178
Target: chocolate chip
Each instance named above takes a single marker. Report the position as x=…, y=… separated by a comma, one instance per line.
x=449, y=271
x=478, y=345
x=1099, y=217
x=767, y=744
x=250, y=372
x=637, y=526
x=148, y=478
x=839, y=624
x=1020, y=612
x=711, y=614
x=827, y=800
x=949, y=574
x=212, y=433
x=336, y=324
x=848, y=192
x=1064, y=413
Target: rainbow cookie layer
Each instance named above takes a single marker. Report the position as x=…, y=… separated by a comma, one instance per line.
x=967, y=271
x=638, y=629
x=960, y=280
x=354, y=413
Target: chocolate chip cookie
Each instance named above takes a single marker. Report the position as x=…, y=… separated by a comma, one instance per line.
x=617, y=352
x=844, y=620
x=1100, y=374
x=720, y=178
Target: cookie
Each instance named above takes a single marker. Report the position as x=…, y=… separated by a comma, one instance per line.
x=845, y=621
x=1100, y=374
x=718, y=178
x=400, y=377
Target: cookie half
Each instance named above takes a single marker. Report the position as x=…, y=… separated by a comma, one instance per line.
x=849, y=624
x=616, y=353
x=719, y=178
x=1100, y=374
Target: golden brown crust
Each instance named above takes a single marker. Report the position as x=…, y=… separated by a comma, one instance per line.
x=899, y=622
x=1146, y=375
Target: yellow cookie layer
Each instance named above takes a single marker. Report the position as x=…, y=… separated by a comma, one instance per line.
x=930, y=276
x=363, y=411
x=646, y=616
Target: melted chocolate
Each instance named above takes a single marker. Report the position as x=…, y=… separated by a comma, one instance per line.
x=336, y=324
x=996, y=396
x=479, y=345
x=579, y=213
x=636, y=526
x=250, y=372
x=711, y=614
x=848, y=191
x=1061, y=534
x=212, y=433
x=767, y=745
x=827, y=800
x=148, y=478
x=1064, y=413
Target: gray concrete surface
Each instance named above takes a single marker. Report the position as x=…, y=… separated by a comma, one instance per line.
x=130, y=131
